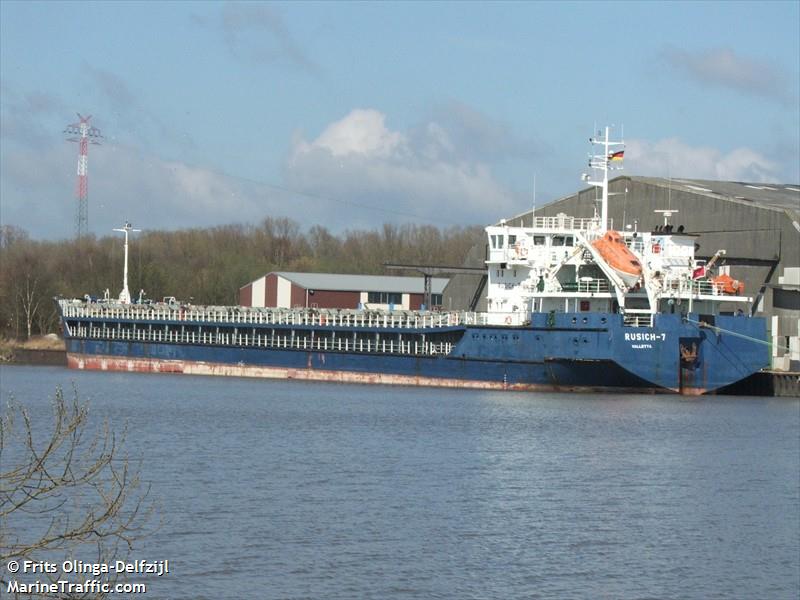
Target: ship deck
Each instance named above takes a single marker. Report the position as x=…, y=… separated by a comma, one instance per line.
x=307, y=317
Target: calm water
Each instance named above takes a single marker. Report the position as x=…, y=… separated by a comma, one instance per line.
x=294, y=490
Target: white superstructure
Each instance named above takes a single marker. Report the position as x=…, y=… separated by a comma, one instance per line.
x=567, y=264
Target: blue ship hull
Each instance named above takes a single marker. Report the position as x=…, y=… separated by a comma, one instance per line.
x=564, y=351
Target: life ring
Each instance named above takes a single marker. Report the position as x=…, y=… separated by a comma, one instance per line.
x=322, y=320
x=656, y=248
x=508, y=320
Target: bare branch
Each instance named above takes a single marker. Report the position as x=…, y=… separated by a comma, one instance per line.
x=66, y=488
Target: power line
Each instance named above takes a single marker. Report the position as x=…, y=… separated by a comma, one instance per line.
x=314, y=196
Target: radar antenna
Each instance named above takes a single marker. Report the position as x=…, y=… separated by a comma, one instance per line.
x=602, y=161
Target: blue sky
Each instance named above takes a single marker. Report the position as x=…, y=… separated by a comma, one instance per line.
x=350, y=115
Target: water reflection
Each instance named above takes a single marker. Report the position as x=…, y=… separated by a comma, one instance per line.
x=290, y=490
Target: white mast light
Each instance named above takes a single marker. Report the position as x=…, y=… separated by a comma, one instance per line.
x=125, y=295
x=601, y=162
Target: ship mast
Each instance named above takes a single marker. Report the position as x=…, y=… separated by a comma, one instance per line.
x=125, y=295
x=602, y=162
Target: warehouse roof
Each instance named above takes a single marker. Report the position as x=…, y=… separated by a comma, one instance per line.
x=774, y=196
x=363, y=283
x=770, y=195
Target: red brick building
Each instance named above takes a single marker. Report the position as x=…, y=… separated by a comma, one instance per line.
x=332, y=290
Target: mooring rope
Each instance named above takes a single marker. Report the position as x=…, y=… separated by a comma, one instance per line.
x=703, y=324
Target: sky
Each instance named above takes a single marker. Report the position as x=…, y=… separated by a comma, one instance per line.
x=351, y=115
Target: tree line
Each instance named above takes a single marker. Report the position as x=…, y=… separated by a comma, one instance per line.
x=204, y=266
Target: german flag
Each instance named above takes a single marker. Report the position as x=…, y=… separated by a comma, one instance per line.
x=617, y=155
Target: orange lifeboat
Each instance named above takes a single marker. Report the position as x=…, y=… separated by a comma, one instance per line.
x=725, y=284
x=619, y=257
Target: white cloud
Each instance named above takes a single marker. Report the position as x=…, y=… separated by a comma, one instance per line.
x=479, y=136
x=723, y=67
x=358, y=159
x=38, y=192
x=672, y=157
x=362, y=132
x=358, y=172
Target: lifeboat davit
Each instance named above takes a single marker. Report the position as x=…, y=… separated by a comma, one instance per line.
x=619, y=257
x=725, y=284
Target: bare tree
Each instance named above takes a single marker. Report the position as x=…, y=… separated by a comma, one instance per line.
x=10, y=234
x=30, y=300
x=208, y=265
x=66, y=491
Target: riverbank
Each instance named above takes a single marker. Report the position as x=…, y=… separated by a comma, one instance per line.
x=39, y=350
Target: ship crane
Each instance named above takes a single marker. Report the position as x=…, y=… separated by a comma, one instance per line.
x=719, y=254
x=723, y=283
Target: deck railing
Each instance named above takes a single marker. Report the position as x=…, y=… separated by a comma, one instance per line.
x=272, y=316
x=566, y=222
x=586, y=285
x=630, y=320
x=696, y=287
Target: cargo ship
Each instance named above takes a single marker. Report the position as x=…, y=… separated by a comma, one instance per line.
x=572, y=305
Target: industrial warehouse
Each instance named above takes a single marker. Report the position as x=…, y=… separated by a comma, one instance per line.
x=757, y=225
x=335, y=290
